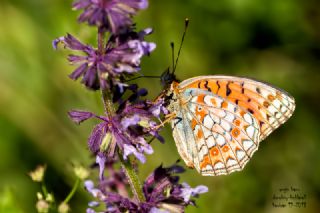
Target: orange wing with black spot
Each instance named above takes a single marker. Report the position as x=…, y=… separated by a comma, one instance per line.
x=270, y=106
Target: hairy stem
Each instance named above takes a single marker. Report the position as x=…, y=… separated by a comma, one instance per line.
x=133, y=178
x=101, y=35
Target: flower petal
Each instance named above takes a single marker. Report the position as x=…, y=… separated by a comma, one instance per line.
x=79, y=71
x=96, y=136
x=90, y=78
x=156, y=210
x=88, y=184
x=79, y=116
x=101, y=160
x=129, y=149
x=130, y=121
x=73, y=43
x=89, y=210
x=187, y=191
x=56, y=41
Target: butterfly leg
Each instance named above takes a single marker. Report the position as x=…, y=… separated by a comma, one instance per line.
x=168, y=118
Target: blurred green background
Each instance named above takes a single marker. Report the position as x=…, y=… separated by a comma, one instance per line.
x=274, y=41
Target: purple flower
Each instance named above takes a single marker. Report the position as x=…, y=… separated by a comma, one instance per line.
x=162, y=191
x=126, y=57
x=104, y=69
x=95, y=192
x=113, y=15
x=188, y=192
x=114, y=201
x=89, y=210
x=128, y=129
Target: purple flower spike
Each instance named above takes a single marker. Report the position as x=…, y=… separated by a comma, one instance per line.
x=113, y=15
x=129, y=123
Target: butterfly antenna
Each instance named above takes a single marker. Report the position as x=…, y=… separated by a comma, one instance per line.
x=143, y=76
x=186, y=23
x=172, y=51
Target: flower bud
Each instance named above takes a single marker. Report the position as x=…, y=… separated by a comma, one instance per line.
x=39, y=196
x=50, y=198
x=81, y=172
x=63, y=208
x=38, y=173
x=42, y=206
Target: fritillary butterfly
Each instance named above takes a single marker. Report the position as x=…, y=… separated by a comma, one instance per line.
x=220, y=120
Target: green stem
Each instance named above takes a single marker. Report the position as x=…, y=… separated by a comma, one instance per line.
x=44, y=189
x=132, y=178
x=106, y=98
x=73, y=190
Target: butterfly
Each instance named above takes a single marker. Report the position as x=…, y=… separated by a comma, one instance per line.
x=219, y=121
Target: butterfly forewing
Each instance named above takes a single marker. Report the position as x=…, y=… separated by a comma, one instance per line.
x=270, y=106
x=223, y=119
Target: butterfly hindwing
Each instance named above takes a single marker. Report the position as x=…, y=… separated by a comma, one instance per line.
x=183, y=136
x=226, y=137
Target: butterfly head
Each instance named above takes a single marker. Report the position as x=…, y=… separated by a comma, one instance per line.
x=167, y=77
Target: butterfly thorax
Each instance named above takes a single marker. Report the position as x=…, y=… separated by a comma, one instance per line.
x=172, y=97
x=170, y=85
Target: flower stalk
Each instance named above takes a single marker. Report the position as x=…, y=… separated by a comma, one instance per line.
x=44, y=189
x=133, y=179
x=73, y=191
x=101, y=34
